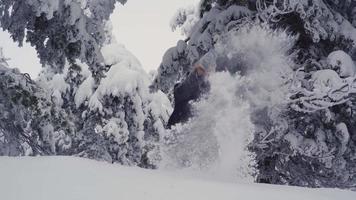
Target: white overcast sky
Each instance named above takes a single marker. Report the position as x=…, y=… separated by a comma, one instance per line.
x=141, y=25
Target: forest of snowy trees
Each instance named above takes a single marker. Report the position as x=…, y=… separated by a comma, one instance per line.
x=280, y=106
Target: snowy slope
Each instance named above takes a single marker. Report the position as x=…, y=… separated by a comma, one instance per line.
x=66, y=178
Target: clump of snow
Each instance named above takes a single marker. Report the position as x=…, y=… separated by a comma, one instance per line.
x=342, y=63
x=118, y=128
x=325, y=81
x=343, y=135
x=160, y=108
x=310, y=147
x=347, y=29
x=55, y=85
x=181, y=46
x=125, y=77
x=45, y=6
x=185, y=19
x=160, y=105
x=69, y=178
x=58, y=86
x=120, y=80
x=75, y=13
x=59, y=83
x=115, y=53
x=84, y=91
x=327, y=89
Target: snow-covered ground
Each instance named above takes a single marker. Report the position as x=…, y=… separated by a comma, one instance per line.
x=68, y=178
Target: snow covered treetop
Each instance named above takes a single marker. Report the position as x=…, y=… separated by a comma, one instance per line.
x=125, y=77
x=321, y=19
x=59, y=30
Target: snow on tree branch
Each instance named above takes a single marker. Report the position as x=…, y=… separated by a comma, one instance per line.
x=59, y=30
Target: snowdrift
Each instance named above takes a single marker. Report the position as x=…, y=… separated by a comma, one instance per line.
x=59, y=178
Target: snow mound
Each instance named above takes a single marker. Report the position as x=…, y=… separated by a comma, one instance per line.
x=69, y=178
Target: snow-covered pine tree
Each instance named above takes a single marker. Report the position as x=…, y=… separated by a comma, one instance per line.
x=103, y=90
x=308, y=140
x=30, y=123
x=123, y=121
x=318, y=148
